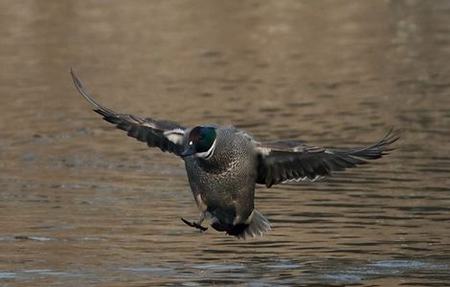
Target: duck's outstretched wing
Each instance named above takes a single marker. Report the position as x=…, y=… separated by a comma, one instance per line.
x=286, y=161
x=166, y=135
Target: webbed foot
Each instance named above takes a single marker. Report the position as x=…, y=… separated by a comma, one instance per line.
x=194, y=224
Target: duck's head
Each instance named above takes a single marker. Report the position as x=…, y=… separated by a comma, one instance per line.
x=201, y=142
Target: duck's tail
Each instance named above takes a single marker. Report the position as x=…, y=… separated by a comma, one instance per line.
x=257, y=227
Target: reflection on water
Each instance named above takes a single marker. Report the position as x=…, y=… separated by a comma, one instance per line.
x=82, y=204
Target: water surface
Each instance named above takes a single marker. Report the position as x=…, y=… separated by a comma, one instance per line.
x=81, y=204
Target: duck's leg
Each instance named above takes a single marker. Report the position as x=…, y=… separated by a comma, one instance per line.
x=197, y=224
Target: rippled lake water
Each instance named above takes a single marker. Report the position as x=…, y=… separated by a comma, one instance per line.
x=82, y=204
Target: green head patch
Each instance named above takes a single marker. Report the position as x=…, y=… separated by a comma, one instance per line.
x=202, y=138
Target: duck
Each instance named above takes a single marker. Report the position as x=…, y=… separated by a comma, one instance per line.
x=224, y=164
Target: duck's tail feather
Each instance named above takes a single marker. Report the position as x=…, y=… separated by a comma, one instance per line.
x=257, y=227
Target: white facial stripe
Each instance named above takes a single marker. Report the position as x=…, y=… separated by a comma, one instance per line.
x=211, y=150
x=207, y=154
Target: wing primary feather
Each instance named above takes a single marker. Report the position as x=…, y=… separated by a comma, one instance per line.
x=84, y=92
x=284, y=161
x=375, y=150
x=155, y=133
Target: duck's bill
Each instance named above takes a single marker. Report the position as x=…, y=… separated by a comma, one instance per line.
x=188, y=152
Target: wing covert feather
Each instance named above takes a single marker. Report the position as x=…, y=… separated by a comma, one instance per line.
x=279, y=162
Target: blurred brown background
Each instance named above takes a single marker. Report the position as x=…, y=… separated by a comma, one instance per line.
x=81, y=204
